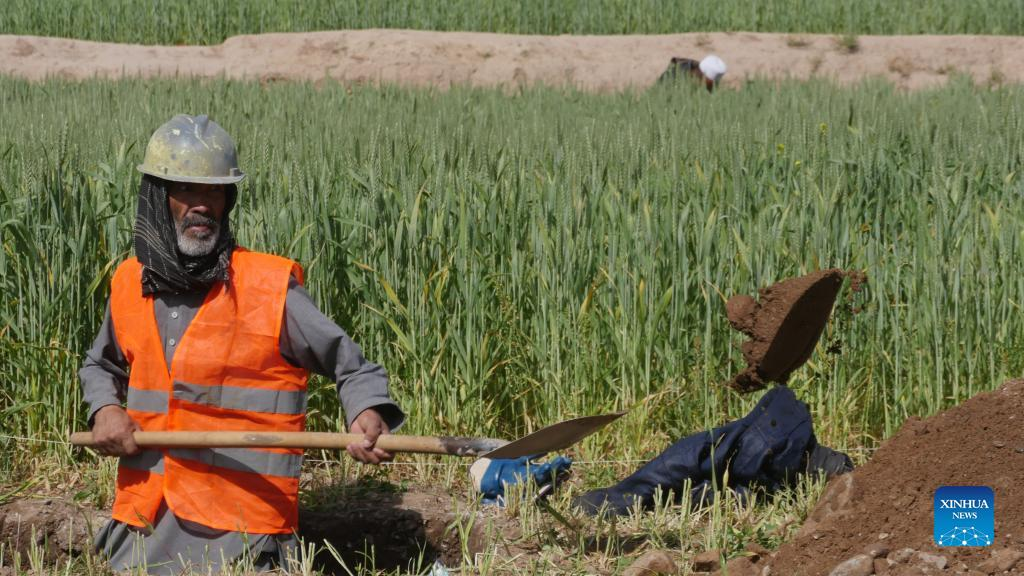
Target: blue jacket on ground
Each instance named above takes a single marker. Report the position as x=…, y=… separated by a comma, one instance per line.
x=767, y=448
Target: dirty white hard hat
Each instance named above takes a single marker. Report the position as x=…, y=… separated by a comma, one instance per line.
x=713, y=68
x=192, y=149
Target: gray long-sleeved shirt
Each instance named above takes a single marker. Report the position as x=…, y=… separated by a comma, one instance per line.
x=308, y=339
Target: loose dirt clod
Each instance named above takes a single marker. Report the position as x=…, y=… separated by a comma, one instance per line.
x=652, y=563
x=902, y=556
x=936, y=561
x=877, y=550
x=859, y=565
x=894, y=492
x=783, y=325
x=707, y=561
x=1001, y=561
x=741, y=566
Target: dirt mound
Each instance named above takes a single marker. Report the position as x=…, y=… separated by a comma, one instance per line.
x=53, y=527
x=783, y=325
x=884, y=509
x=424, y=58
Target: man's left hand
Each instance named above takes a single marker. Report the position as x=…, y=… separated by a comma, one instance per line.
x=370, y=424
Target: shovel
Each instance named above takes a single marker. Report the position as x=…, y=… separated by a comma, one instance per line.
x=555, y=437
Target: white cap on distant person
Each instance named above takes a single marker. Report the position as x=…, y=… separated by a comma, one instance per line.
x=712, y=68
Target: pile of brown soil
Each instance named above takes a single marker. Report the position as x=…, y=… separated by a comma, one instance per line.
x=55, y=527
x=884, y=509
x=783, y=325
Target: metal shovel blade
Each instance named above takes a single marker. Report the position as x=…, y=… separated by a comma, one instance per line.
x=555, y=437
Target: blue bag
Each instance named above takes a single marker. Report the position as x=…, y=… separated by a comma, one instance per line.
x=766, y=448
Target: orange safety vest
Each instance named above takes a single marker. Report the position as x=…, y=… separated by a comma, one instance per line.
x=227, y=374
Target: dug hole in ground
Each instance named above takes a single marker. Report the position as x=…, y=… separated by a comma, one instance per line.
x=399, y=529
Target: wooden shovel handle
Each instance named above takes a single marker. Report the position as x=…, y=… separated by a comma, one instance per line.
x=452, y=445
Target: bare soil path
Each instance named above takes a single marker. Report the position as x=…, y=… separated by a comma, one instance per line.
x=602, y=63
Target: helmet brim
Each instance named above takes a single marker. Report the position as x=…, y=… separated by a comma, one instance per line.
x=192, y=179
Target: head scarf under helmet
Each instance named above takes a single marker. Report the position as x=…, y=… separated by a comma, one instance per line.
x=165, y=268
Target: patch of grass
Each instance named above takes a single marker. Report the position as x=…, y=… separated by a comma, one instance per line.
x=199, y=22
x=816, y=61
x=797, y=41
x=996, y=78
x=847, y=43
x=901, y=66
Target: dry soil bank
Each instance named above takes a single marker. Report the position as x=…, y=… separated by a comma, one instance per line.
x=421, y=58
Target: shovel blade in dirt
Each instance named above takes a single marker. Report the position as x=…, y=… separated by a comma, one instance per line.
x=555, y=437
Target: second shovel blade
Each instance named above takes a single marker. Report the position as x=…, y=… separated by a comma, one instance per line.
x=555, y=437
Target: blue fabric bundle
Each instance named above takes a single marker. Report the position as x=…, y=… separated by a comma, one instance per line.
x=766, y=448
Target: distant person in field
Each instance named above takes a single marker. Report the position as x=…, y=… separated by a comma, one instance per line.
x=202, y=334
x=708, y=71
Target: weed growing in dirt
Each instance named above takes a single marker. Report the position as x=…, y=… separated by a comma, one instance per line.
x=797, y=41
x=847, y=43
x=901, y=66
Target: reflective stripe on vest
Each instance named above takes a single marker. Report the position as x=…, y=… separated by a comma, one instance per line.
x=244, y=460
x=146, y=461
x=240, y=398
x=227, y=374
x=147, y=400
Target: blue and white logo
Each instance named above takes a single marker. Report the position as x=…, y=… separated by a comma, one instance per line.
x=964, y=516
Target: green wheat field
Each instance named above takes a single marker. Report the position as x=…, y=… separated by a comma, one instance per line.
x=514, y=259
x=201, y=22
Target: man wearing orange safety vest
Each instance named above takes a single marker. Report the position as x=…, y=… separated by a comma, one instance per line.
x=202, y=334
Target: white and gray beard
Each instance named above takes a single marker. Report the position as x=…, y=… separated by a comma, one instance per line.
x=191, y=245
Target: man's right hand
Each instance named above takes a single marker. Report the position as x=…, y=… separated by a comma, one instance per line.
x=112, y=430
